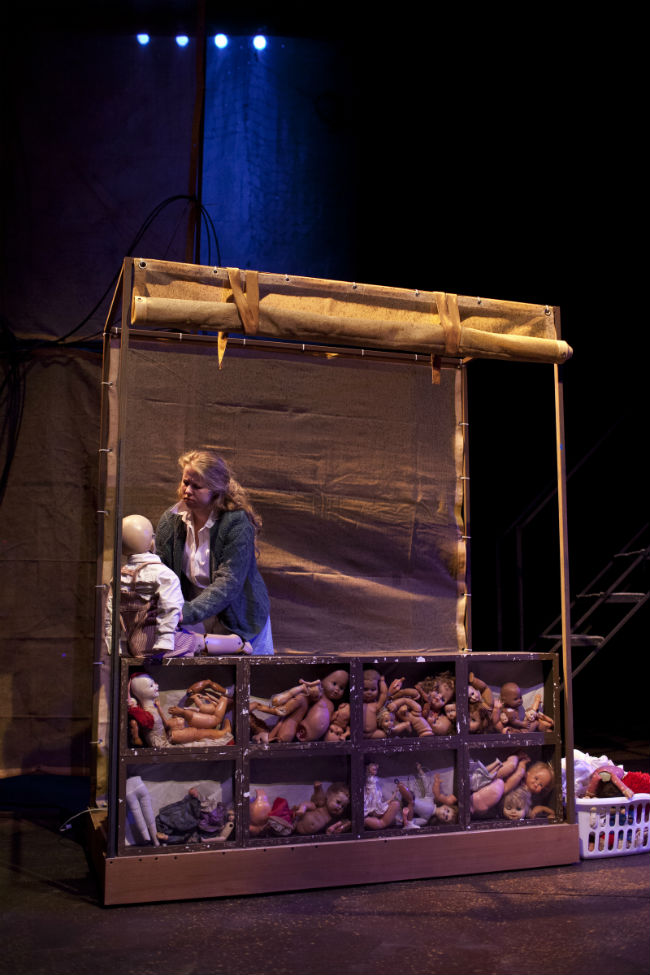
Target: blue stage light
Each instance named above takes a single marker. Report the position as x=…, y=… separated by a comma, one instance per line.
x=221, y=41
x=182, y=40
x=143, y=39
x=259, y=42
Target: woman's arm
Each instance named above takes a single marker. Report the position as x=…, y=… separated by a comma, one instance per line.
x=233, y=551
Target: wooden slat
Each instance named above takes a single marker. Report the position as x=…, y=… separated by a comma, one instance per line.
x=229, y=873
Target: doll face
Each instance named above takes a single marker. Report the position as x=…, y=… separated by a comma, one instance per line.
x=337, y=802
x=370, y=687
x=445, y=690
x=386, y=721
x=474, y=721
x=440, y=724
x=450, y=711
x=372, y=769
x=445, y=814
x=144, y=688
x=196, y=493
x=473, y=694
x=511, y=696
x=436, y=700
x=538, y=778
x=515, y=807
x=334, y=685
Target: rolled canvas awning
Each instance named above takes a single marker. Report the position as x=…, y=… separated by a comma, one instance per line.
x=187, y=297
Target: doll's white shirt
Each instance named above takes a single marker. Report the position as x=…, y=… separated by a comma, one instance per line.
x=196, y=556
x=153, y=577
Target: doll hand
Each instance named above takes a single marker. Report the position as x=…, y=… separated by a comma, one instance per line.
x=341, y=827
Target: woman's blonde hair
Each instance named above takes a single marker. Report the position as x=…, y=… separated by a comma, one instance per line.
x=228, y=494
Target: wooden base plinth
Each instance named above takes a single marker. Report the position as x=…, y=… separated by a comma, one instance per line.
x=229, y=873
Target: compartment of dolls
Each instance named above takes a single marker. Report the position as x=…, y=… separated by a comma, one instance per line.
x=409, y=699
x=513, y=785
x=410, y=790
x=299, y=799
x=188, y=705
x=299, y=702
x=170, y=805
x=510, y=698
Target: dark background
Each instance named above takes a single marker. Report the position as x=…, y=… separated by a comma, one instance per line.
x=467, y=154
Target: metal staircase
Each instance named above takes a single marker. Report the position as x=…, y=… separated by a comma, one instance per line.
x=609, y=601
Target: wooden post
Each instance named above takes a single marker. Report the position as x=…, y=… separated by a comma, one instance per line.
x=564, y=586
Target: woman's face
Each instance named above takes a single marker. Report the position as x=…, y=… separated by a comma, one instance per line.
x=196, y=494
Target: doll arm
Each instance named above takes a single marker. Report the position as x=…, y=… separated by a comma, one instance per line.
x=403, y=723
x=200, y=686
x=439, y=796
x=484, y=690
x=340, y=826
x=404, y=702
x=170, y=603
x=515, y=778
x=383, y=694
x=318, y=797
x=538, y=811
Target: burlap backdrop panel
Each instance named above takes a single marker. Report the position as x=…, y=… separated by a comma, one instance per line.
x=354, y=465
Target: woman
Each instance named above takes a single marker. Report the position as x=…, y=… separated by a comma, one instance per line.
x=208, y=539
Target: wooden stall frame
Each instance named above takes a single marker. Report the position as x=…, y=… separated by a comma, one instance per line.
x=219, y=872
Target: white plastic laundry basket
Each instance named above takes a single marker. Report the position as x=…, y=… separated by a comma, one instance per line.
x=614, y=827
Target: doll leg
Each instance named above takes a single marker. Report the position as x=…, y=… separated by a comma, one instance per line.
x=285, y=729
x=217, y=644
x=195, y=719
x=389, y=817
x=487, y=796
x=181, y=736
x=138, y=802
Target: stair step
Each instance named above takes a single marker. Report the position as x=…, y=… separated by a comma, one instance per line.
x=638, y=551
x=578, y=639
x=615, y=597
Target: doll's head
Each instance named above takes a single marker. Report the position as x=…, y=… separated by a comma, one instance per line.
x=450, y=711
x=143, y=688
x=445, y=813
x=386, y=720
x=337, y=798
x=516, y=804
x=472, y=694
x=334, y=684
x=445, y=685
x=475, y=720
x=440, y=723
x=511, y=695
x=137, y=535
x=372, y=770
x=540, y=777
x=371, y=679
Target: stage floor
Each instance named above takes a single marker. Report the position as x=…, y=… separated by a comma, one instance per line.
x=592, y=917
